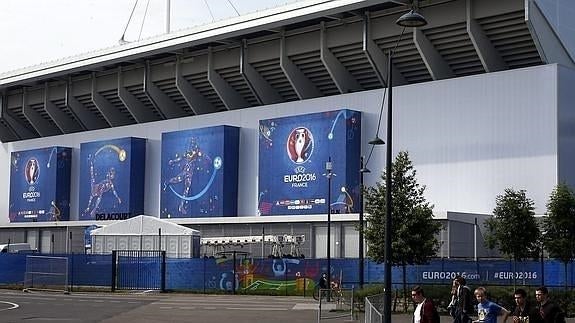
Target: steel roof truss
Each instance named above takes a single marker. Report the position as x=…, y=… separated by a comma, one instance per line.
x=112, y=115
x=137, y=109
x=165, y=105
x=376, y=58
x=229, y=96
x=264, y=92
x=64, y=122
x=6, y=132
x=344, y=81
x=436, y=65
x=302, y=85
x=21, y=131
x=193, y=97
x=549, y=46
x=489, y=56
x=86, y=118
x=41, y=125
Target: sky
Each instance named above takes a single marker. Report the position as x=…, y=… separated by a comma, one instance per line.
x=39, y=31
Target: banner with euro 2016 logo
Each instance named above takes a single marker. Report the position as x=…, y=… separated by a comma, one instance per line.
x=40, y=185
x=112, y=176
x=293, y=152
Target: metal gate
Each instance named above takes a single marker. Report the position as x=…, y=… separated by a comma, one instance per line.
x=138, y=270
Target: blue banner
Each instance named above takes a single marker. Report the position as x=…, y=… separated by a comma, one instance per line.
x=40, y=185
x=200, y=173
x=112, y=176
x=293, y=154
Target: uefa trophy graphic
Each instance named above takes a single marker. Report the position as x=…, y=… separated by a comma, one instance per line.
x=299, y=144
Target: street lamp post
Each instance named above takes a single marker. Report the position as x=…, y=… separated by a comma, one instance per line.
x=329, y=174
x=388, y=206
x=362, y=171
x=543, y=234
x=410, y=19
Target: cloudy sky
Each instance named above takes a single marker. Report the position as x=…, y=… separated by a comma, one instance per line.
x=39, y=31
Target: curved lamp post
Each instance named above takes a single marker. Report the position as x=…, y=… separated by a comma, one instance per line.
x=410, y=19
x=362, y=171
x=329, y=174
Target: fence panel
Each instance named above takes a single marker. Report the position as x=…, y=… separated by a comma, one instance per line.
x=280, y=276
x=139, y=270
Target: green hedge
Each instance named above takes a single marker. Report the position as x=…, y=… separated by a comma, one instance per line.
x=503, y=295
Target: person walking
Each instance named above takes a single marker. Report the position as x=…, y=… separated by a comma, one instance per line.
x=425, y=311
x=487, y=311
x=523, y=312
x=464, y=303
x=548, y=312
x=451, y=308
x=322, y=283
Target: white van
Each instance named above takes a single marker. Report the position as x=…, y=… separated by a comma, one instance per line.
x=15, y=248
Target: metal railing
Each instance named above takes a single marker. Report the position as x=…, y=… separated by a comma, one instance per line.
x=374, y=309
x=336, y=303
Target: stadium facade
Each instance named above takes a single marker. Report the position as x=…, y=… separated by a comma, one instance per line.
x=483, y=101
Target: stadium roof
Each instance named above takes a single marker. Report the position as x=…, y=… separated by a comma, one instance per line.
x=303, y=50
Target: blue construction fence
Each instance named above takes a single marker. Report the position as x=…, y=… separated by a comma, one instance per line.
x=298, y=275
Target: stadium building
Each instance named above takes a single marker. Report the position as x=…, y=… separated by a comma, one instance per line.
x=483, y=101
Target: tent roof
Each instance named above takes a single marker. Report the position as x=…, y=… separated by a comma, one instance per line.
x=144, y=225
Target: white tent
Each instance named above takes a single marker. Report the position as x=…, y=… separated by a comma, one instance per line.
x=147, y=233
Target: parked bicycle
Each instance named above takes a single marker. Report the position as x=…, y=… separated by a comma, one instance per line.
x=333, y=294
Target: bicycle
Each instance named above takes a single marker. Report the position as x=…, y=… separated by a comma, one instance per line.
x=332, y=295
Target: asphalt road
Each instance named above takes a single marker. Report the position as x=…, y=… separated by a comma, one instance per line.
x=18, y=306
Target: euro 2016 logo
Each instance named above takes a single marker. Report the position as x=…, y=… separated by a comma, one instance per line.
x=32, y=171
x=300, y=145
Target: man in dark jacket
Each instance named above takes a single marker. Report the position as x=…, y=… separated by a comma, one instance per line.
x=549, y=312
x=425, y=311
x=464, y=302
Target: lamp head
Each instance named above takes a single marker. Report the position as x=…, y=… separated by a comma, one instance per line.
x=376, y=141
x=364, y=170
x=411, y=19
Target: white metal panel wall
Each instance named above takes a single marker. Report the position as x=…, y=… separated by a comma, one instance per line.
x=186, y=246
x=469, y=138
x=46, y=244
x=32, y=239
x=175, y=246
x=135, y=242
x=350, y=239
x=122, y=242
x=559, y=14
x=148, y=243
x=110, y=243
x=171, y=246
x=97, y=244
x=321, y=242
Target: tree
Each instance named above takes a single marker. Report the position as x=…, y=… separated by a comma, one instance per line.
x=559, y=226
x=513, y=228
x=414, y=232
